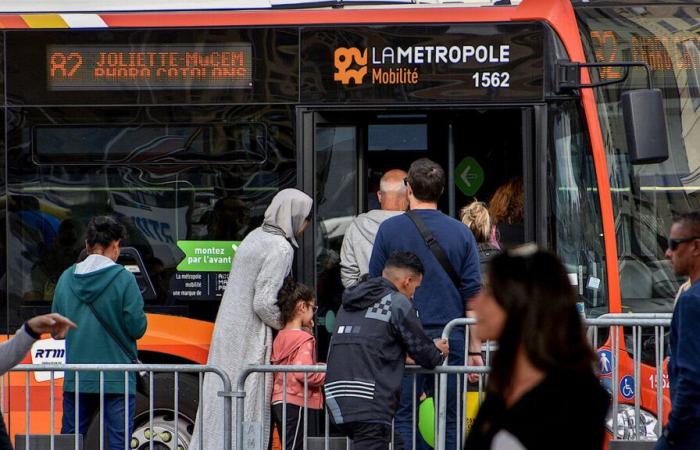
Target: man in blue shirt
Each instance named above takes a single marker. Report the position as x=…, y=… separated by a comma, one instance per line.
x=683, y=428
x=438, y=300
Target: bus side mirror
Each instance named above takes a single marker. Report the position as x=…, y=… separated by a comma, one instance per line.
x=645, y=126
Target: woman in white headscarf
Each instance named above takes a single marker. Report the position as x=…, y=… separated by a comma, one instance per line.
x=247, y=315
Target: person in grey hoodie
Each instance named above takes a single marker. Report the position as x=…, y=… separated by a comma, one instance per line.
x=14, y=350
x=359, y=238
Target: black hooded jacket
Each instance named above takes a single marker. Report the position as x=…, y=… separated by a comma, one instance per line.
x=375, y=329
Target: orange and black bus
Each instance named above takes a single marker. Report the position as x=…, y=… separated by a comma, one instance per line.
x=184, y=119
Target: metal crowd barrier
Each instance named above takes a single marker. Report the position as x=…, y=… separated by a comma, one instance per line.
x=616, y=324
x=176, y=370
x=628, y=385
x=462, y=393
x=622, y=341
x=240, y=395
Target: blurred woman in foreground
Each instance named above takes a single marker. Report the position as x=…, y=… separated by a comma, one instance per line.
x=542, y=392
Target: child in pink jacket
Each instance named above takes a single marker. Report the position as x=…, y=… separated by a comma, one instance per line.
x=294, y=345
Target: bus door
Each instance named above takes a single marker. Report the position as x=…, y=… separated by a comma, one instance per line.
x=345, y=153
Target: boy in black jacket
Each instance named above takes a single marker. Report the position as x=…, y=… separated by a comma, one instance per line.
x=376, y=328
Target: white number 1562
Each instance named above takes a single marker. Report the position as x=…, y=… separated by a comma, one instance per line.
x=491, y=79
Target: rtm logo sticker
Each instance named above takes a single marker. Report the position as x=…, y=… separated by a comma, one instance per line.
x=49, y=352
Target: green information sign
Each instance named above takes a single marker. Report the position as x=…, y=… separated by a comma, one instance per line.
x=469, y=176
x=207, y=256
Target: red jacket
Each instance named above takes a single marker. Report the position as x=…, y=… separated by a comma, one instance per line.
x=297, y=347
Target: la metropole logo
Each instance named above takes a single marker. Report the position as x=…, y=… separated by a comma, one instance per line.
x=352, y=66
x=400, y=65
x=344, y=59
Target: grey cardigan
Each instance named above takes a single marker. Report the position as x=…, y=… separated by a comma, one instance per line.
x=14, y=350
x=243, y=335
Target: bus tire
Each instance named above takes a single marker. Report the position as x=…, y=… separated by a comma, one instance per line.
x=164, y=422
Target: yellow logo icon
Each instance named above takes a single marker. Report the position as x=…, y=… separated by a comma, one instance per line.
x=344, y=58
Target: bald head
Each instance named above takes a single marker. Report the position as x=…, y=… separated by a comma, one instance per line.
x=392, y=191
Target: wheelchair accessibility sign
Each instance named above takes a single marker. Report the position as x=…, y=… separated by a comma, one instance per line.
x=605, y=362
x=627, y=387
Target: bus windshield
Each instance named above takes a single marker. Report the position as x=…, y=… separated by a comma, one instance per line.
x=646, y=197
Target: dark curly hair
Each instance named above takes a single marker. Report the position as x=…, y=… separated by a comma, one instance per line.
x=507, y=204
x=291, y=293
x=103, y=230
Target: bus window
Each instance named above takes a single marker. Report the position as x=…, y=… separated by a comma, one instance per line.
x=155, y=143
x=397, y=137
x=335, y=154
x=646, y=197
x=81, y=165
x=573, y=194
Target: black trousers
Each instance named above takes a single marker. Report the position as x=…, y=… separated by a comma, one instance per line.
x=370, y=436
x=5, y=443
x=294, y=429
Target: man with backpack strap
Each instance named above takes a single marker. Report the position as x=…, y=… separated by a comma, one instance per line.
x=448, y=252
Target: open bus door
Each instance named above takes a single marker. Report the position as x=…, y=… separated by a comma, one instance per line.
x=345, y=153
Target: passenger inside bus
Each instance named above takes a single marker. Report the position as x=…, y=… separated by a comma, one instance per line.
x=55, y=258
x=229, y=220
x=507, y=208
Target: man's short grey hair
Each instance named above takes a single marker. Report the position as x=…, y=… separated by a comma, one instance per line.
x=391, y=186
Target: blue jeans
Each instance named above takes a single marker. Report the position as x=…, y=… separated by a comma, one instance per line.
x=687, y=441
x=403, y=421
x=113, y=416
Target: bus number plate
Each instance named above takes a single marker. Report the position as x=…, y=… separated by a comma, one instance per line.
x=491, y=79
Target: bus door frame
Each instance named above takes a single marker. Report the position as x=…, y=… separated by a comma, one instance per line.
x=535, y=160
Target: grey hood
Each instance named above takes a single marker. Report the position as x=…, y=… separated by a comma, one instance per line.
x=286, y=213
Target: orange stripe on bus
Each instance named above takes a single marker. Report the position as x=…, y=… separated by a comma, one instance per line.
x=12, y=21
x=39, y=398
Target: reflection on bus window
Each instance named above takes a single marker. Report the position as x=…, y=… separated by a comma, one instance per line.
x=646, y=197
x=397, y=137
x=170, y=143
x=229, y=220
x=576, y=227
x=200, y=205
x=335, y=153
x=54, y=258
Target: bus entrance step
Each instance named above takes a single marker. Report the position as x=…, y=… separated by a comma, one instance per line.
x=631, y=445
x=334, y=443
x=43, y=441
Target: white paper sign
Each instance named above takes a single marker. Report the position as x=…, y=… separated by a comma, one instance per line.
x=593, y=283
x=48, y=351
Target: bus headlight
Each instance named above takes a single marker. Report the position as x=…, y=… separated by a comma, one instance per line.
x=626, y=425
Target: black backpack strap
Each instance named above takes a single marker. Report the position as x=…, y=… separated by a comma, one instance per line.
x=435, y=248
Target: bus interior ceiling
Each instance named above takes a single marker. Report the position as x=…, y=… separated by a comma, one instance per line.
x=492, y=137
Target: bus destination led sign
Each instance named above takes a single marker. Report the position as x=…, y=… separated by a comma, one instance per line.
x=187, y=66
